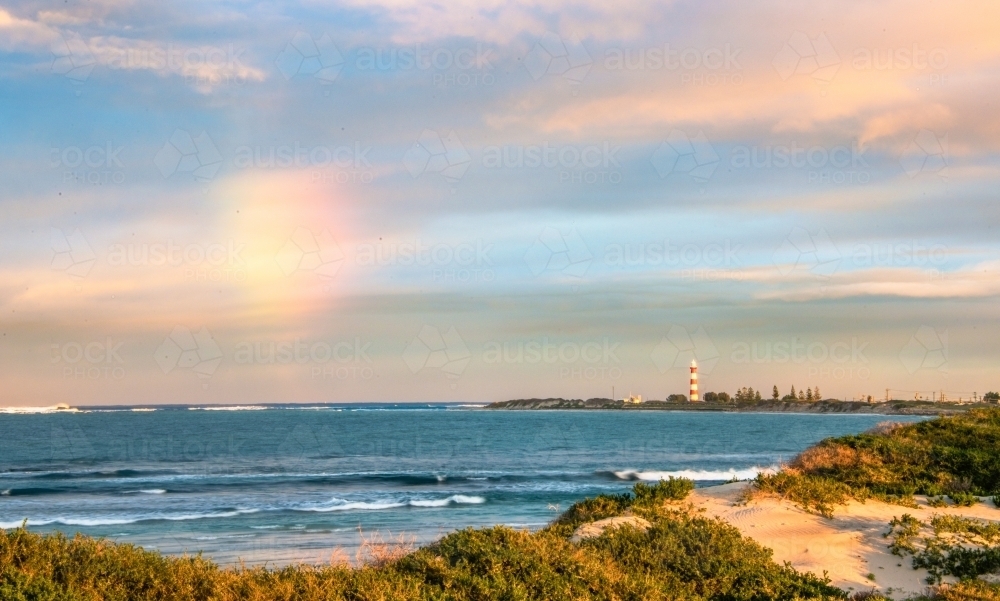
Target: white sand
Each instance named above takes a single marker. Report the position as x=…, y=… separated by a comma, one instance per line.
x=848, y=547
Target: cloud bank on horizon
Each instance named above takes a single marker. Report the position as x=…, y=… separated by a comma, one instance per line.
x=378, y=201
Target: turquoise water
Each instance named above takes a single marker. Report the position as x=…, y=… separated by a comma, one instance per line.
x=284, y=484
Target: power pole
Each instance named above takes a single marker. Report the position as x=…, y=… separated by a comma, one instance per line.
x=886, y=395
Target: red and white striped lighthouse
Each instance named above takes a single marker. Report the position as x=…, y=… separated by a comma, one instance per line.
x=694, y=381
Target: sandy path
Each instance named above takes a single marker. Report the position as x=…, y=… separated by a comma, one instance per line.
x=848, y=547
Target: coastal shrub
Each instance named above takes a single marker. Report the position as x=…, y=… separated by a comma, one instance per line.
x=671, y=489
x=961, y=547
x=963, y=499
x=953, y=456
x=643, y=499
x=903, y=530
x=973, y=590
x=814, y=493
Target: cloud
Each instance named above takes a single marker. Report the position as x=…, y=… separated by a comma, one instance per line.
x=17, y=34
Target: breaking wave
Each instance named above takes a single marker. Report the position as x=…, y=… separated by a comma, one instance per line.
x=696, y=475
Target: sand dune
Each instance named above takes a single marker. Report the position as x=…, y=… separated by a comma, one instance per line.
x=848, y=547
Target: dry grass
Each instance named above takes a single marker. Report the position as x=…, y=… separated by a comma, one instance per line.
x=378, y=552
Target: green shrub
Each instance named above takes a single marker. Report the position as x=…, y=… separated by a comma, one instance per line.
x=644, y=499
x=948, y=455
x=960, y=547
x=671, y=489
x=963, y=499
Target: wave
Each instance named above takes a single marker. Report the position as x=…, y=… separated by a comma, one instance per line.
x=453, y=499
x=343, y=505
x=230, y=408
x=60, y=408
x=118, y=521
x=146, y=491
x=696, y=475
x=356, y=505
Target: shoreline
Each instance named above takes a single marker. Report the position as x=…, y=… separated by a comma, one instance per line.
x=836, y=407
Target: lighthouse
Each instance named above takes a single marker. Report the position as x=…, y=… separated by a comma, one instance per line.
x=694, y=381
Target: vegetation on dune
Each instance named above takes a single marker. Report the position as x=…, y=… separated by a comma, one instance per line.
x=681, y=556
x=954, y=456
x=951, y=546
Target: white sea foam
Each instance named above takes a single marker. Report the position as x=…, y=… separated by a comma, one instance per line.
x=341, y=505
x=453, y=499
x=232, y=408
x=109, y=521
x=153, y=491
x=60, y=408
x=696, y=475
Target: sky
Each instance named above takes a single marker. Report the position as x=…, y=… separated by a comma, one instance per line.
x=399, y=200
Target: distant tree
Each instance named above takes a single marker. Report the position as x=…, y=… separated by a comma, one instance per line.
x=809, y=394
x=751, y=395
x=992, y=397
x=711, y=397
x=816, y=394
x=774, y=392
x=724, y=397
x=677, y=398
x=756, y=396
x=793, y=395
x=802, y=396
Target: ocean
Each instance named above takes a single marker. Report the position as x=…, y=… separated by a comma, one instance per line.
x=287, y=484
